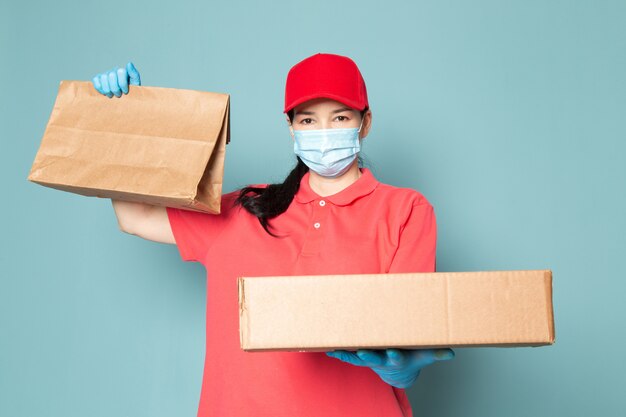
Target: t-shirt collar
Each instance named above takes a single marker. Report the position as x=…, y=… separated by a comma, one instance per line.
x=363, y=186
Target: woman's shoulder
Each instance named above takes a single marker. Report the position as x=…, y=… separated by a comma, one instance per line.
x=401, y=195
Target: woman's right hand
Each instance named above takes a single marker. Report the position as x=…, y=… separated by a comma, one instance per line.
x=116, y=81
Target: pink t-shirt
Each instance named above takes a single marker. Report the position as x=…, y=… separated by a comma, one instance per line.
x=369, y=227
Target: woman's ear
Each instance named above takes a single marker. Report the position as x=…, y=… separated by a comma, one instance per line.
x=289, y=124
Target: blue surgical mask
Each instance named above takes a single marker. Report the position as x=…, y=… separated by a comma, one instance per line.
x=328, y=152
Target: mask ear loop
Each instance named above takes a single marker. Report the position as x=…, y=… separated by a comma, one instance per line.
x=359, y=131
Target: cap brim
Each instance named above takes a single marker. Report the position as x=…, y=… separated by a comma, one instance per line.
x=350, y=103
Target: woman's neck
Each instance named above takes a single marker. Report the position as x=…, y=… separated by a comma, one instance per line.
x=324, y=186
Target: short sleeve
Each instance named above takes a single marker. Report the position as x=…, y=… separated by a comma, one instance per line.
x=418, y=241
x=195, y=232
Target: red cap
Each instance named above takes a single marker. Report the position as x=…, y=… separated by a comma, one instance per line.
x=325, y=75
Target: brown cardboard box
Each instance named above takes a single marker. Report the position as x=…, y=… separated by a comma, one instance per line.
x=415, y=310
x=160, y=146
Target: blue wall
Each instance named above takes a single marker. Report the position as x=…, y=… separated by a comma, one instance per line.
x=509, y=117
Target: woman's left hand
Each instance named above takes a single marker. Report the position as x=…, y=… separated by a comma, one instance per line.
x=397, y=367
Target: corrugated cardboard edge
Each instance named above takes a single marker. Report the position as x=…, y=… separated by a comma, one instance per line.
x=355, y=348
x=244, y=320
x=243, y=316
x=549, y=305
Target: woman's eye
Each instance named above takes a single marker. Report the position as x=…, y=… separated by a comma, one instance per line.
x=306, y=121
x=342, y=118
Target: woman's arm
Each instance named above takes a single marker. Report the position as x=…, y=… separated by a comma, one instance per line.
x=144, y=220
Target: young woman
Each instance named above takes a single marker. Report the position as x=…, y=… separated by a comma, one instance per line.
x=329, y=216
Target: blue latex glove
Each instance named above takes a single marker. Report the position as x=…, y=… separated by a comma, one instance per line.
x=397, y=367
x=116, y=81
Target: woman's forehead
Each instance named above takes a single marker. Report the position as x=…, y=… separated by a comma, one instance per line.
x=321, y=105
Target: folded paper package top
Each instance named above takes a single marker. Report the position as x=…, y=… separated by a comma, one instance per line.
x=411, y=310
x=161, y=146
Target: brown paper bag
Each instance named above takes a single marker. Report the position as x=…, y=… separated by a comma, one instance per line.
x=161, y=146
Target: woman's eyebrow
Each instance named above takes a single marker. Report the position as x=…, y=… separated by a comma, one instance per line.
x=342, y=110
x=311, y=113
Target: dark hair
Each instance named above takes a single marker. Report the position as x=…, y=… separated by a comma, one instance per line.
x=271, y=201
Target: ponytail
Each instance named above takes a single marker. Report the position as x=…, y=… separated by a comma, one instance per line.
x=273, y=200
